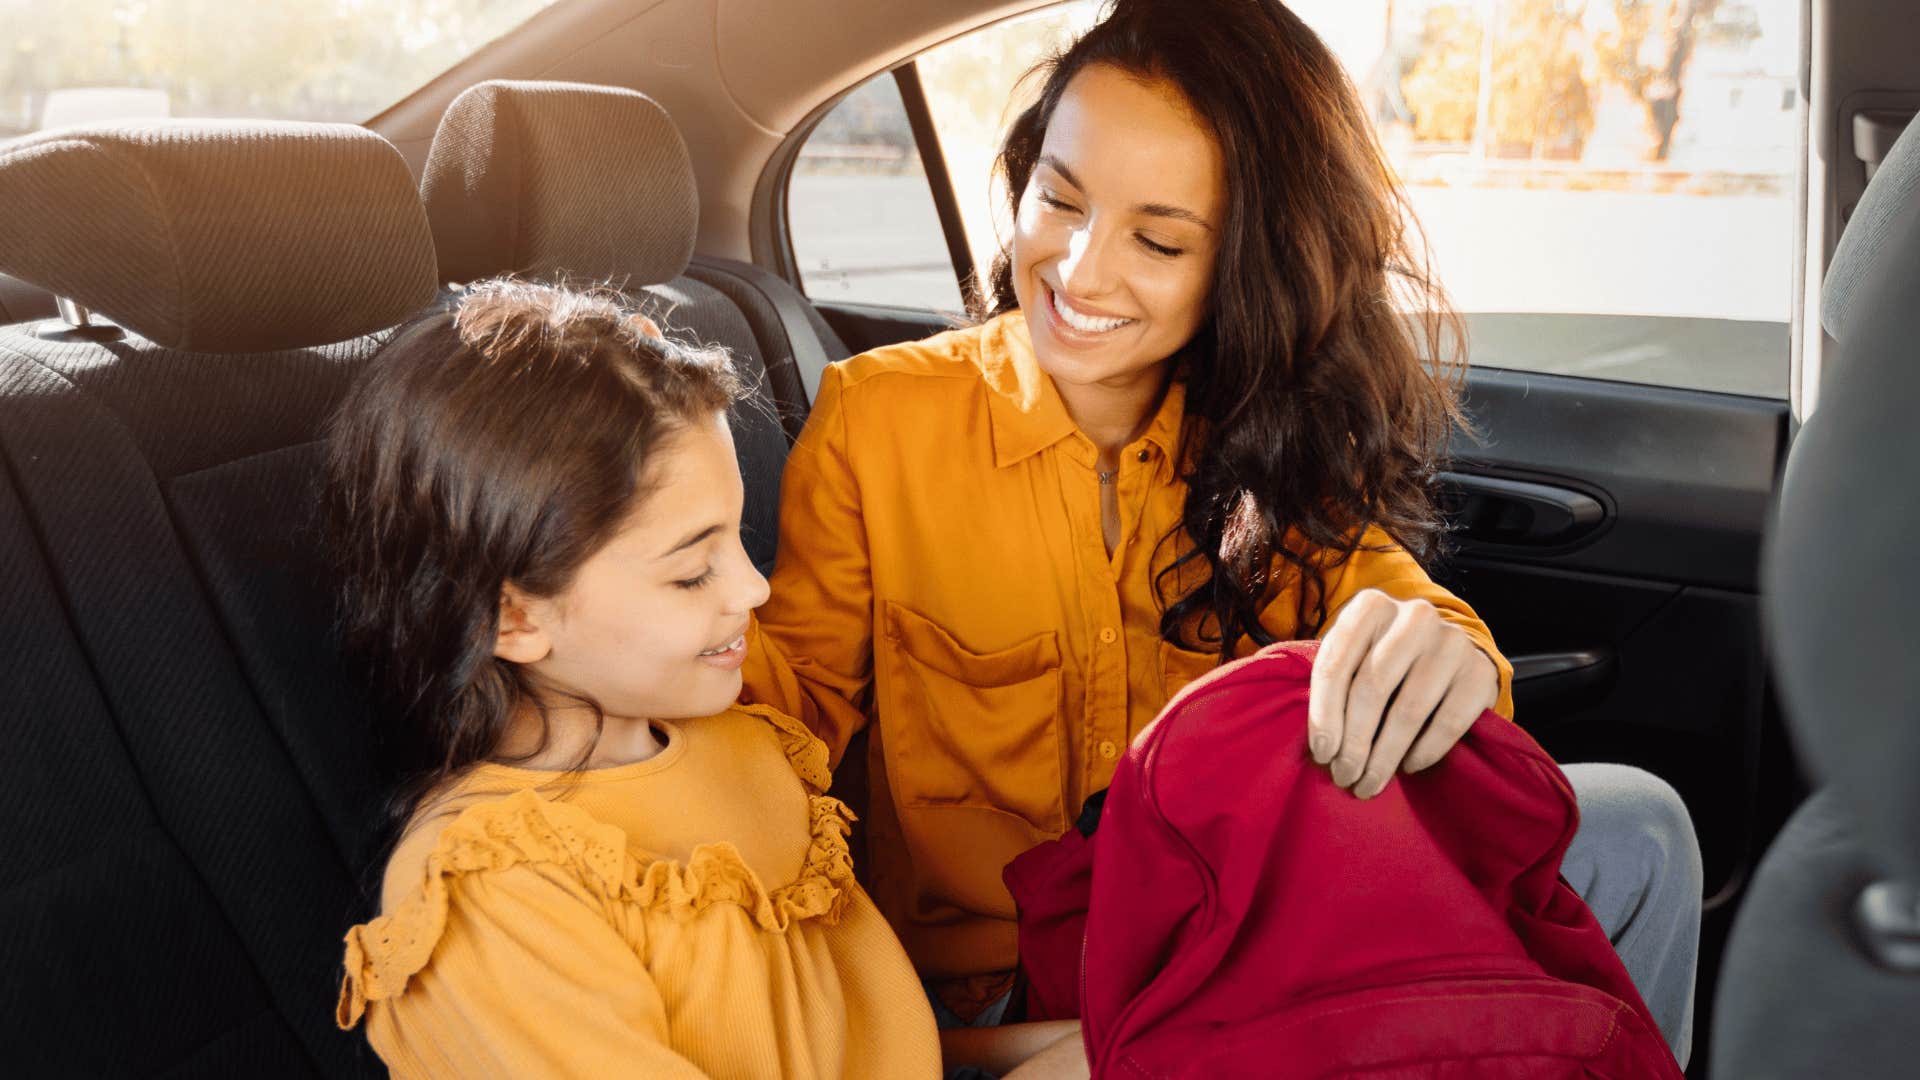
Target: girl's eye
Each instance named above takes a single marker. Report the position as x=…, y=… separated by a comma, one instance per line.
x=1161, y=249
x=696, y=582
x=1049, y=199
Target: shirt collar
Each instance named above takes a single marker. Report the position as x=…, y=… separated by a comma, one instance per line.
x=1164, y=431
x=1022, y=404
x=1025, y=409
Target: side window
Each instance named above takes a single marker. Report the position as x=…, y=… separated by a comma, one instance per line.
x=1608, y=189
x=861, y=216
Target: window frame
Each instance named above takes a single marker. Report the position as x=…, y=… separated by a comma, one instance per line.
x=771, y=232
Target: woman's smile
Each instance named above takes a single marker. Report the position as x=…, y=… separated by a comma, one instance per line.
x=1078, y=316
x=1072, y=326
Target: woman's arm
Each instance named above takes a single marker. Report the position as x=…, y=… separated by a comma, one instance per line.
x=810, y=654
x=1039, y=1051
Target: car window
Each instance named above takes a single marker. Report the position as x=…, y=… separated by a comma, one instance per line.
x=861, y=216
x=1608, y=189
x=91, y=61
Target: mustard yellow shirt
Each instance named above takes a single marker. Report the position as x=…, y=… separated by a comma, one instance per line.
x=690, y=915
x=942, y=573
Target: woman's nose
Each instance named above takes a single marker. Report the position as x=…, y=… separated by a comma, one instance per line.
x=1083, y=269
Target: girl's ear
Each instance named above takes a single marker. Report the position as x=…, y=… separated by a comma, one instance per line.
x=520, y=639
x=649, y=327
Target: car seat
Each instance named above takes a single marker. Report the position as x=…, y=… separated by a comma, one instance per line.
x=1823, y=967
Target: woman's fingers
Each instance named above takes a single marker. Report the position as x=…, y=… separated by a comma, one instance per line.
x=1343, y=648
x=1474, y=691
x=1408, y=636
x=1394, y=688
x=1423, y=690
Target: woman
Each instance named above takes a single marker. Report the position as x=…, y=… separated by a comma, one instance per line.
x=1196, y=422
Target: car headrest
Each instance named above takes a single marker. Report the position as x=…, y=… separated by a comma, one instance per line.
x=546, y=178
x=1892, y=194
x=219, y=236
x=1841, y=583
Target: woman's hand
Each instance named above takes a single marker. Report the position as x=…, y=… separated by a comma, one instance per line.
x=1395, y=687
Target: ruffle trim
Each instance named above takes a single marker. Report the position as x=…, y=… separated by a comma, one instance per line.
x=803, y=747
x=524, y=828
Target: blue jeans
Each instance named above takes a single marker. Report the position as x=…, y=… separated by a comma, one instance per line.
x=1636, y=862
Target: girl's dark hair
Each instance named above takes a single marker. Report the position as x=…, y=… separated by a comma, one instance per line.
x=1311, y=413
x=500, y=436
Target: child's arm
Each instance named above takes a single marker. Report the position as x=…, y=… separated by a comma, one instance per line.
x=1047, y=1049
x=1066, y=1059
x=525, y=979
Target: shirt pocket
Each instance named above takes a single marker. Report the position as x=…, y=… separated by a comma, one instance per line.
x=1179, y=666
x=971, y=729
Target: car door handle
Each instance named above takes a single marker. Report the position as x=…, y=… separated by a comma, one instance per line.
x=1548, y=686
x=1580, y=665
x=1517, y=513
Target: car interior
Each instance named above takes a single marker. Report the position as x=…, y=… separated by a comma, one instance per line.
x=1684, y=578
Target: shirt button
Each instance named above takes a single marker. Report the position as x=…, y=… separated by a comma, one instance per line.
x=1145, y=454
x=1108, y=750
x=1108, y=636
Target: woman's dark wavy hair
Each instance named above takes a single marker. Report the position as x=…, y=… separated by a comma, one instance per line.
x=500, y=436
x=1312, y=413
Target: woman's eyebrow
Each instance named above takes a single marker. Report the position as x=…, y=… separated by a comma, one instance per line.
x=1060, y=167
x=1178, y=213
x=1165, y=210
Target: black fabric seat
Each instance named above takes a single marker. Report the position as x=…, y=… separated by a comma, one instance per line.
x=189, y=784
x=796, y=342
x=593, y=184
x=192, y=786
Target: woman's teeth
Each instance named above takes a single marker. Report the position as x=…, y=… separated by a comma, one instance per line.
x=737, y=643
x=1086, y=324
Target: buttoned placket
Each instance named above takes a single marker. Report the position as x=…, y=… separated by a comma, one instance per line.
x=1104, y=734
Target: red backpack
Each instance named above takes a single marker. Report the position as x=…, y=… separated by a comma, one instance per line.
x=1237, y=915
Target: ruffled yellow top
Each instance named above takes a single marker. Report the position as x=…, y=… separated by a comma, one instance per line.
x=693, y=914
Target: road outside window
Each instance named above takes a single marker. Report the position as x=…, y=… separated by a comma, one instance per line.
x=861, y=217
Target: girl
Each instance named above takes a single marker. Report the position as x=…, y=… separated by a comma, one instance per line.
x=607, y=870
x=1199, y=420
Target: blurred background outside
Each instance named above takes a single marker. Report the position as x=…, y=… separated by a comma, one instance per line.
x=81, y=61
x=1632, y=162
